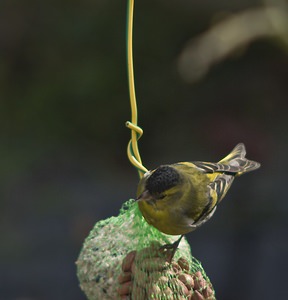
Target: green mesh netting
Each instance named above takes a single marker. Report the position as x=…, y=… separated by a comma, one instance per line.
x=121, y=259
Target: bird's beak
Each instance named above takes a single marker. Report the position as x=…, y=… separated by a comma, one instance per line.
x=145, y=196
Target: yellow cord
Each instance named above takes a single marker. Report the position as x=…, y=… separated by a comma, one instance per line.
x=136, y=131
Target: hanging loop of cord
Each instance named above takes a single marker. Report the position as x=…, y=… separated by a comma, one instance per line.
x=136, y=131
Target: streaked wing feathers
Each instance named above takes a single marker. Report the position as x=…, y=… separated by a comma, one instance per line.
x=220, y=186
x=204, y=218
x=217, y=190
x=235, y=167
x=209, y=167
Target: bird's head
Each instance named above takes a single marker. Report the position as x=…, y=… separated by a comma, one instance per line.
x=158, y=184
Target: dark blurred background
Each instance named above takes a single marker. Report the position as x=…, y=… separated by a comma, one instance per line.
x=63, y=166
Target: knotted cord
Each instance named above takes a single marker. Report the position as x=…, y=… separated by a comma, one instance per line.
x=136, y=131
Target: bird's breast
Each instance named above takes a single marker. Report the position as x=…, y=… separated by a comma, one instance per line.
x=168, y=221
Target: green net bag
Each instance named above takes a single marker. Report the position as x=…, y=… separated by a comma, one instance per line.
x=122, y=258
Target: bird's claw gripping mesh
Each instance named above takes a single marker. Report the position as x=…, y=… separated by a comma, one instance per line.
x=122, y=259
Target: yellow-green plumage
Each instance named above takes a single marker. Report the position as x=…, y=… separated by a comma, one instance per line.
x=178, y=198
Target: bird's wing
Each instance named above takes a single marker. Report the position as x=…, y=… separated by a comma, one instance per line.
x=235, y=167
x=217, y=189
x=204, y=219
x=209, y=167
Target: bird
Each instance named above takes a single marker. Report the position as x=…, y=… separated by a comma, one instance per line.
x=178, y=198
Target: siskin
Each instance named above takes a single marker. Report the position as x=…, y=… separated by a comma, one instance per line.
x=178, y=198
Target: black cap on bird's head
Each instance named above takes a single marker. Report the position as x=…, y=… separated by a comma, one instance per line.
x=162, y=179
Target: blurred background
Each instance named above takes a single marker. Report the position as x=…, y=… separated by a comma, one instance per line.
x=209, y=74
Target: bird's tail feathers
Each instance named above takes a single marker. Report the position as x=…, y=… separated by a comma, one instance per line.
x=236, y=158
x=245, y=165
x=238, y=152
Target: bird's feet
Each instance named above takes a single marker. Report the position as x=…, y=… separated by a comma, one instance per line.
x=169, y=250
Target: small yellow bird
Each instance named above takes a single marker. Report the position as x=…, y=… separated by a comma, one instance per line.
x=178, y=198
